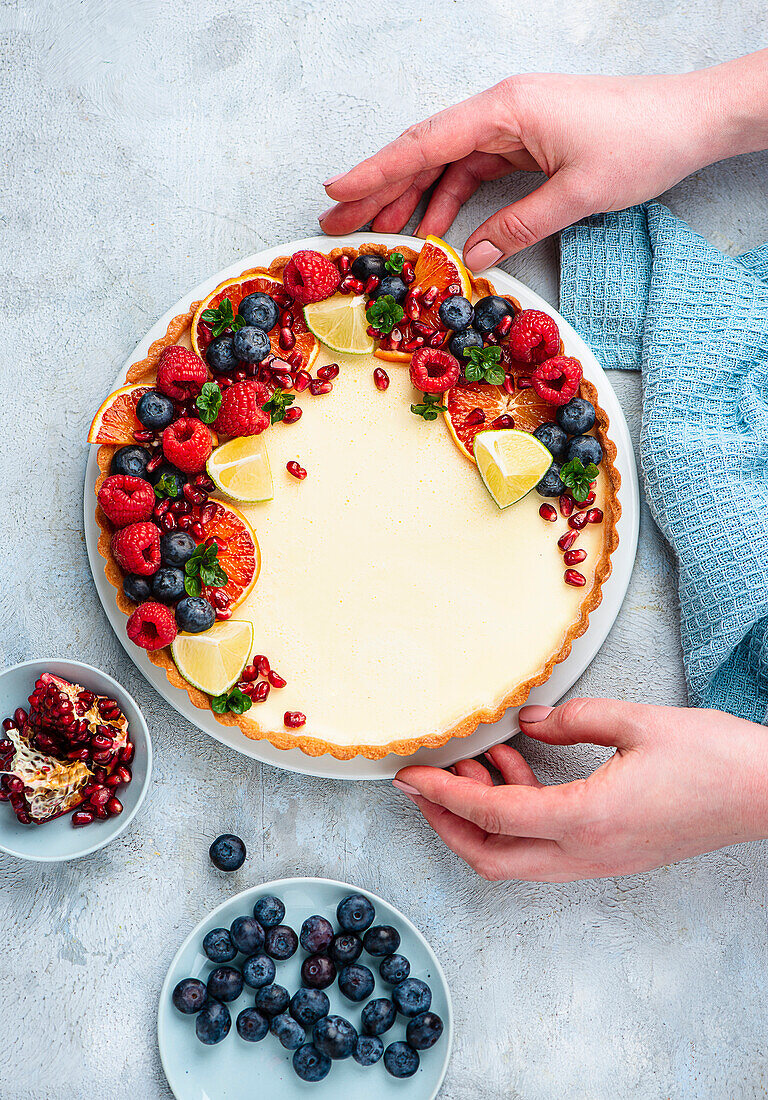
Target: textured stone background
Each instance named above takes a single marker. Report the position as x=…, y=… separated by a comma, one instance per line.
x=144, y=146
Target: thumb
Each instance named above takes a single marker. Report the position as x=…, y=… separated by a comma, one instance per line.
x=557, y=203
x=598, y=721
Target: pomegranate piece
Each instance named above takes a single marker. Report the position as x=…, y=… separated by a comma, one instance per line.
x=381, y=378
x=547, y=512
x=574, y=557
x=296, y=471
x=294, y=719
x=574, y=578
x=566, y=505
x=566, y=541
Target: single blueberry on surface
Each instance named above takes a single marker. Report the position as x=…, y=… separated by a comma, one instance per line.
x=334, y=1036
x=309, y=1005
x=280, y=942
x=189, y=995
x=577, y=417
x=383, y=939
x=137, y=588
x=424, y=1030
x=345, y=948
x=131, y=461
x=394, y=969
x=554, y=439
x=259, y=311
x=310, y=1065
x=412, y=997
x=392, y=285
x=368, y=1050
x=225, y=983
x=460, y=341
x=378, y=1016
x=272, y=999
x=168, y=584
x=368, y=264
x=154, y=410
x=258, y=970
x=401, y=1060
x=252, y=1025
x=316, y=935
x=269, y=911
x=318, y=971
x=586, y=448
x=551, y=484
x=194, y=614
x=220, y=355
x=456, y=312
x=218, y=946
x=251, y=344
x=290, y=1033
x=176, y=548
x=489, y=311
x=212, y=1023
x=227, y=853
x=355, y=913
x=356, y=982
x=247, y=935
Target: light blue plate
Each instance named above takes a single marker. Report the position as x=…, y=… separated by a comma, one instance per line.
x=57, y=840
x=236, y=1070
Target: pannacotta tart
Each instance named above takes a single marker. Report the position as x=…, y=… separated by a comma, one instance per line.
x=357, y=503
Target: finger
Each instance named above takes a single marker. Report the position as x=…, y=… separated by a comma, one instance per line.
x=460, y=181
x=393, y=217
x=473, y=769
x=597, y=721
x=346, y=217
x=513, y=767
x=557, y=203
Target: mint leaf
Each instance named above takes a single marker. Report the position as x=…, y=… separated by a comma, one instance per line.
x=166, y=487
x=234, y=699
x=219, y=703
x=429, y=407
x=213, y=576
x=193, y=586
x=384, y=313
x=484, y=365
x=221, y=318
x=394, y=263
x=203, y=568
x=277, y=404
x=209, y=402
x=576, y=477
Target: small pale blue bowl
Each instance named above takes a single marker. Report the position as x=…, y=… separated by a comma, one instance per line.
x=56, y=841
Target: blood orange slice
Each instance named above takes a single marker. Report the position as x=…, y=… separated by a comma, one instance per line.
x=239, y=554
x=438, y=265
x=236, y=290
x=524, y=406
x=116, y=420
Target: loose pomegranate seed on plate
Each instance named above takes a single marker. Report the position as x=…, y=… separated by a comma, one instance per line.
x=276, y=679
x=578, y=520
x=81, y=818
x=249, y=674
x=294, y=719
x=381, y=378
x=574, y=557
x=296, y=471
x=292, y=415
x=547, y=512
x=301, y=380
x=329, y=372
x=262, y=664
x=318, y=387
x=260, y=691
x=595, y=515
x=588, y=501
x=574, y=578
x=566, y=541
x=566, y=505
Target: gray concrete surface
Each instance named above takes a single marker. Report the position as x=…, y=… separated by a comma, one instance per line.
x=144, y=146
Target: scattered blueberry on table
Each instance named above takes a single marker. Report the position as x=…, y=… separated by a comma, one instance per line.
x=227, y=851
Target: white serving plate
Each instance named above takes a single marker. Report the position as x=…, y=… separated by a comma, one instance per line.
x=564, y=675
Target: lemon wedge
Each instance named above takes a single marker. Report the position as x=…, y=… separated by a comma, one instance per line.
x=212, y=661
x=340, y=323
x=511, y=463
x=240, y=470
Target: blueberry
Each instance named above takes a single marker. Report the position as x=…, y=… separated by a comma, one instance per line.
x=310, y=1065
x=424, y=1030
x=218, y=946
x=551, y=485
x=131, y=461
x=176, y=547
x=456, y=312
x=345, y=948
x=412, y=997
x=394, y=969
x=368, y=1050
x=355, y=913
x=251, y=1025
x=174, y=479
x=154, y=410
x=272, y=999
x=290, y=1033
x=309, y=1005
x=225, y=983
x=168, y=584
x=554, y=439
x=251, y=344
x=378, y=1016
x=577, y=417
x=137, y=588
x=400, y=1060
x=247, y=935
x=334, y=1036
x=269, y=911
x=393, y=285
x=220, y=355
x=585, y=447
x=460, y=341
x=369, y=264
x=259, y=311
x=213, y=1023
x=489, y=311
x=227, y=851
x=381, y=940
x=258, y=970
x=189, y=995
x=316, y=935
x=280, y=942
x=318, y=972
x=194, y=614
x=356, y=982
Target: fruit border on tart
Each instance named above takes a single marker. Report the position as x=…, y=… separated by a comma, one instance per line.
x=184, y=447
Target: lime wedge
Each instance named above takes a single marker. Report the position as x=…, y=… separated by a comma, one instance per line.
x=240, y=469
x=511, y=463
x=212, y=661
x=340, y=323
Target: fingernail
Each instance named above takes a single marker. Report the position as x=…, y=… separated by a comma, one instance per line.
x=482, y=255
x=325, y=214
x=452, y=770
x=489, y=757
x=406, y=787
x=334, y=179
x=534, y=713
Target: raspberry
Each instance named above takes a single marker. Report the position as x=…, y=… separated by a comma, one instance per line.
x=187, y=443
x=434, y=371
x=126, y=499
x=241, y=410
x=180, y=373
x=152, y=626
x=309, y=277
x=137, y=548
x=557, y=380
x=533, y=337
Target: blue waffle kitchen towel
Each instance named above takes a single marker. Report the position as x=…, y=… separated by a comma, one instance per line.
x=649, y=294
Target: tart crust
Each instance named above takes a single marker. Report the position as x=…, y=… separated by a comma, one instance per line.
x=313, y=746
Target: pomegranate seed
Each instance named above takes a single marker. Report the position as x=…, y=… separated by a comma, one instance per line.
x=395, y=337
x=249, y=674
x=566, y=505
x=524, y=382
x=9, y=724
x=343, y=263
x=355, y=285
x=219, y=598
x=207, y=513
x=595, y=515
x=276, y=680
x=292, y=415
x=294, y=719
x=114, y=806
x=201, y=481
x=429, y=296
x=286, y=340
x=14, y=785
x=196, y=531
x=437, y=340
x=407, y=274
x=328, y=373
x=100, y=797
x=185, y=522
x=81, y=818
x=295, y=470
x=154, y=462
x=371, y=284
x=262, y=664
x=301, y=380
x=23, y=817
x=127, y=752
x=286, y=319
x=381, y=378
x=223, y=613
x=414, y=345
x=547, y=512
x=503, y=421
x=566, y=541
x=503, y=327
x=573, y=557
x=451, y=289
x=260, y=691
x=296, y=359
x=374, y=333
x=19, y=717
x=344, y=285
x=318, y=387
x=491, y=338
x=193, y=495
x=588, y=501
x=144, y=435
x=578, y=520
x=508, y=385
x=100, y=742
x=422, y=329
x=240, y=375
x=283, y=379
x=81, y=754
x=574, y=578
x=112, y=781
x=412, y=308
x=474, y=417
x=167, y=522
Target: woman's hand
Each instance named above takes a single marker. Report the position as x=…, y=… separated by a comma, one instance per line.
x=604, y=142
x=681, y=782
